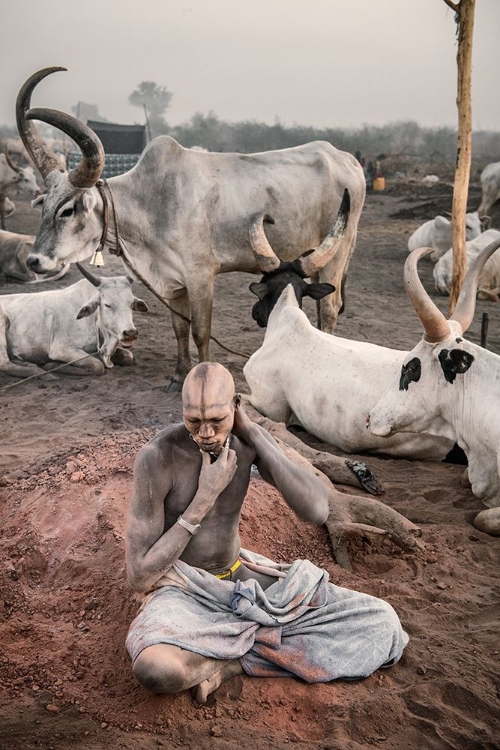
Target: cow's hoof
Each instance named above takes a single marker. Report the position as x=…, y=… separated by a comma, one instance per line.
x=488, y=521
x=174, y=387
x=365, y=477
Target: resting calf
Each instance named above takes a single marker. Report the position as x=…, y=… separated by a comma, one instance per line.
x=14, y=180
x=488, y=282
x=14, y=249
x=437, y=233
x=62, y=325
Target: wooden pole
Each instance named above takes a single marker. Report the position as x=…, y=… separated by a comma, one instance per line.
x=464, y=18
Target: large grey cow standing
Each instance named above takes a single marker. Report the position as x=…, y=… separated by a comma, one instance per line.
x=61, y=325
x=448, y=378
x=183, y=214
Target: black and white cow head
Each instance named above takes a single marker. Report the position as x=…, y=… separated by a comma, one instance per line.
x=444, y=369
x=271, y=286
x=279, y=274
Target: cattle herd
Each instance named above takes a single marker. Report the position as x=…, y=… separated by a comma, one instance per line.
x=182, y=216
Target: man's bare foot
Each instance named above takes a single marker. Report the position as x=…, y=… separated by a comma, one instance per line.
x=200, y=693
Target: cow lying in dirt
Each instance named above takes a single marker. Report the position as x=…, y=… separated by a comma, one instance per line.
x=14, y=249
x=9, y=207
x=448, y=378
x=488, y=286
x=437, y=232
x=14, y=180
x=93, y=316
x=325, y=383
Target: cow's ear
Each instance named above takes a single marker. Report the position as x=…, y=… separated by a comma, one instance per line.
x=485, y=222
x=454, y=363
x=318, y=291
x=139, y=305
x=89, y=201
x=441, y=222
x=259, y=289
x=38, y=200
x=90, y=308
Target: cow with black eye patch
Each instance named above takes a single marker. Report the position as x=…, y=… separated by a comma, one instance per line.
x=445, y=377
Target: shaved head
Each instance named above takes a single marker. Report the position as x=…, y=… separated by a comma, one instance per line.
x=208, y=403
x=208, y=384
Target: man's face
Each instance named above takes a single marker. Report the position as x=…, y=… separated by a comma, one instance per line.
x=208, y=409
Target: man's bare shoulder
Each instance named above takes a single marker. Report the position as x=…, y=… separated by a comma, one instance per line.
x=161, y=447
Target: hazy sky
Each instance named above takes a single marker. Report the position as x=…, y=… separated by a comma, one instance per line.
x=319, y=62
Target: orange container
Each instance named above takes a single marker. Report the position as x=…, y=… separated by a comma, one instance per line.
x=379, y=183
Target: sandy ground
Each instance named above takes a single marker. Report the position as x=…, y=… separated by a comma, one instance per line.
x=65, y=471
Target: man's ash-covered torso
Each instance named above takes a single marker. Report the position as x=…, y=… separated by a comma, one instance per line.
x=215, y=547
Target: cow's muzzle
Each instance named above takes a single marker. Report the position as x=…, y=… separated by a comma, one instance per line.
x=128, y=337
x=33, y=264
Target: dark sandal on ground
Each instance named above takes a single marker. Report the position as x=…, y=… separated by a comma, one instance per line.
x=365, y=477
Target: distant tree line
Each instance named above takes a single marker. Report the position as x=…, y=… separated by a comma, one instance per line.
x=397, y=138
x=405, y=138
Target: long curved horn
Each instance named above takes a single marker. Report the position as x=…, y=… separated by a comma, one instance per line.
x=86, y=174
x=44, y=158
x=95, y=280
x=319, y=257
x=435, y=325
x=265, y=256
x=466, y=303
x=9, y=161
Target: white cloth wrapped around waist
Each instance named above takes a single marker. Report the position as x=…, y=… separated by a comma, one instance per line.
x=301, y=625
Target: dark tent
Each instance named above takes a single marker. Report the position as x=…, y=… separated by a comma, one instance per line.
x=123, y=145
x=119, y=139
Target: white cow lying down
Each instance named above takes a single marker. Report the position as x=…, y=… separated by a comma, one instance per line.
x=489, y=279
x=448, y=378
x=436, y=233
x=490, y=185
x=329, y=384
x=14, y=249
x=61, y=325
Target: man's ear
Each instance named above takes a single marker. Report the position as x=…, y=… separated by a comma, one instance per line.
x=237, y=401
x=90, y=308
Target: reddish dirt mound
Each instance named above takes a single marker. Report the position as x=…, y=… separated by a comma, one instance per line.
x=66, y=607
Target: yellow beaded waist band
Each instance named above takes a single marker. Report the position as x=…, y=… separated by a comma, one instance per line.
x=227, y=573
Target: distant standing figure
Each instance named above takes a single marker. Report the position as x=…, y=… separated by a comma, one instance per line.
x=371, y=173
x=360, y=158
